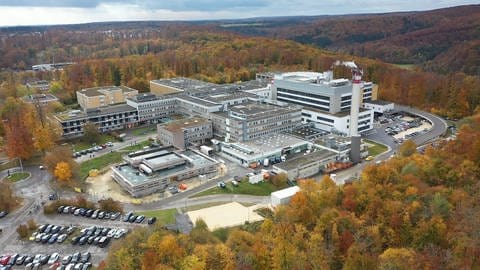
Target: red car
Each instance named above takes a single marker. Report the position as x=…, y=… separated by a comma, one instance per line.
x=4, y=260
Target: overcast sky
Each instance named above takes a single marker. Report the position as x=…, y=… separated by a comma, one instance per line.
x=38, y=12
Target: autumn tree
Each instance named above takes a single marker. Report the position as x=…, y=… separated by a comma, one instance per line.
x=18, y=135
x=60, y=154
x=407, y=148
x=8, y=201
x=63, y=171
x=90, y=133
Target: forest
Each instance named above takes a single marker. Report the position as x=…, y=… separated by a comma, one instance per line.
x=444, y=40
x=414, y=211
x=134, y=56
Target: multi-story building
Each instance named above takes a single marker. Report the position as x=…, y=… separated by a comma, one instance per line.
x=252, y=120
x=96, y=97
x=326, y=102
x=151, y=108
x=183, y=132
x=106, y=119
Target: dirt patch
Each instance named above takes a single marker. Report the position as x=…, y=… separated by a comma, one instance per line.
x=103, y=186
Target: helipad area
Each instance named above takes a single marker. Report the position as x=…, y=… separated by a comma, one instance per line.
x=225, y=215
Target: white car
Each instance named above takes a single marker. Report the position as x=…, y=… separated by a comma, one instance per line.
x=53, y=258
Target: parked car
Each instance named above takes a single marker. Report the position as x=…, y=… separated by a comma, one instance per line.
x=127, y=216
x=151, y=220
x=3, y=214
x=140, y=219
x=115, y=215
x=53, y=258
x=85, y=257
x=66, y=259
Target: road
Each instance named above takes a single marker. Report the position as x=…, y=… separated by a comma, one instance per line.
x=439, y=127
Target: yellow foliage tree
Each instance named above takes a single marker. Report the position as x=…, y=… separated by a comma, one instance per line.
x=63, y=171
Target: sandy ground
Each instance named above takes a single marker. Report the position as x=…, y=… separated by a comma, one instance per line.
x=103, y=186
x=401, y=135
x=408, y=118
x=226, y=215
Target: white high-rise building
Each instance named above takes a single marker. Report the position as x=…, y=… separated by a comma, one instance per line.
x=326, y=102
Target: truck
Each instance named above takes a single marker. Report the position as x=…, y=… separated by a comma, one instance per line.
x=206, y=150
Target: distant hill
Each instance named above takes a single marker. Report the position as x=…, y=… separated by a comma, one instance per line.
x=442, y=40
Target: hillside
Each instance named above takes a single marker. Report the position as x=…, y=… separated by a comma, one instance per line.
x=415, y=211
x=443, y=40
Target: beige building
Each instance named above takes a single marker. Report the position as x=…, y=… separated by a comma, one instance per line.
x=96, y=97
x=181, y=133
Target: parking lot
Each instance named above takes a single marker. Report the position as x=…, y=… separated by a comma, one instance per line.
x=92, y=230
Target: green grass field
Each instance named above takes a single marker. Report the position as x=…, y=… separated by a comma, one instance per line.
x=14, y=177
x=375, y=149
x=260, y=189
x=99, y=163
x=166, y=216
x=136, y=147
x=79, y=145
x=144, y=131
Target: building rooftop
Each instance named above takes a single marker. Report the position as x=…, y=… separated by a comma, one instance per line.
x=255, y=109
x=77, y=114
x=301, y=160
x=183, y=84
x=192, y=159
x=286, y=192
x=101, y=90
x=39, y=98
x=227, y=96
x=308, y=132
x=266, y=144
x=146, y=97
x=178, y=125
x=198, y=100
x=379, y=102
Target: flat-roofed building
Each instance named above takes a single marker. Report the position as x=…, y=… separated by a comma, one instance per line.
x=152, y=170
x=326, y=101
x=177, y=85
x=379, y=106
x=182, y=133
x=38, y=85
x=271, y=147
x=151, y=108
x=41, y=99
x=106, y=119
x=95, y=97
x=305, y=165
x=253, y=120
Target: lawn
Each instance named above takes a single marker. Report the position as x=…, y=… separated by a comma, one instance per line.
x=144, y=131
x=260, y=189
x=79, y=145
x=375, y=149
x=166, y=216
x=14, y=177
x=99, y=163
x=136, y=147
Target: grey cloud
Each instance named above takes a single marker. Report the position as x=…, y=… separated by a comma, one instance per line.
x=173, y=5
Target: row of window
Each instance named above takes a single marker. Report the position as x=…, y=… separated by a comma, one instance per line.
x=303, y=93
x=303, y=104
x=306, y=99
